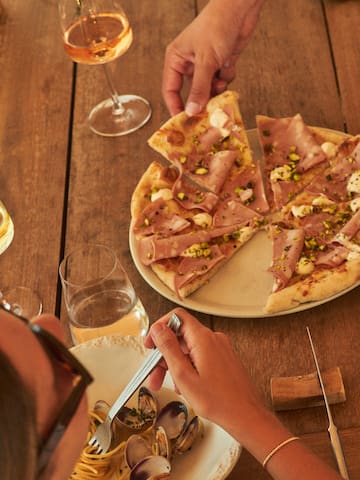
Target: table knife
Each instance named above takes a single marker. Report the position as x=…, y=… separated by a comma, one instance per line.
x=333, y=432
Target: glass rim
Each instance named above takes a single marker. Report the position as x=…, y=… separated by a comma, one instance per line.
x=110, y=250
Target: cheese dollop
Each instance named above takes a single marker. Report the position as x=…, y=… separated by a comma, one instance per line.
x=164, y=193
x=300, y=211
x=322, y=201
x=218, y=119
x=329, y=149
x=304, y=266
x=353, y=184
x=203, y=220
x=355, y=204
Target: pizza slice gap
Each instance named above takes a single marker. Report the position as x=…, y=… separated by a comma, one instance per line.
x=293, y=155
x=185, y=247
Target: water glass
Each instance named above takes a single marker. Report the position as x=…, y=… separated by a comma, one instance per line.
x=99, y=296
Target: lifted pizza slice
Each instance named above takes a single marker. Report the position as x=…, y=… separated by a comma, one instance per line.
x=208, y=147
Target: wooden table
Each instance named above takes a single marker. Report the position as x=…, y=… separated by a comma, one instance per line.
x=62, y=184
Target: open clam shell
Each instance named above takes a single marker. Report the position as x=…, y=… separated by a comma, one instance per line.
x=172, y=417
x=188, y=436
x=151, y=468
x=145, y=413
x=162, y=444
x=137, y=448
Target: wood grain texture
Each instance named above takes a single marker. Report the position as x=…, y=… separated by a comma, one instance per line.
x=304, y=391
x=64, y=185
x=35, y=96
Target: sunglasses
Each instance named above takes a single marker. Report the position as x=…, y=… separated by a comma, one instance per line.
x=80, y=378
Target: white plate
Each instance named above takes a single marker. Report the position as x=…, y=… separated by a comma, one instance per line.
x=240, y=288
x=112, y=361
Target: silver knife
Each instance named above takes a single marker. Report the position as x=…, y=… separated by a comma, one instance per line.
x=333, y=432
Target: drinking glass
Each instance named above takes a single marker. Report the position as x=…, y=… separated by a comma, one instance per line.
x=99, y=297
x=97, y=32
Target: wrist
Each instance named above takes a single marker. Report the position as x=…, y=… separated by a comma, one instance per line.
x=259, y=432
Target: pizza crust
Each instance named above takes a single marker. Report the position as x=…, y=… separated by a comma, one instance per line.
x=320, y=285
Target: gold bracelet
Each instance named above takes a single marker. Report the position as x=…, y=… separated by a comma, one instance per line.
x=276, y=449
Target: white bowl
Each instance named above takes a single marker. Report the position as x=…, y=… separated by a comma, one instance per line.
x=112, y=361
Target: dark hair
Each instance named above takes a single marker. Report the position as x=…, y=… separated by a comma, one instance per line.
x=18, y=437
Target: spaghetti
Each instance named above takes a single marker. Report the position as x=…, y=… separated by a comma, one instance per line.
x=107, y=466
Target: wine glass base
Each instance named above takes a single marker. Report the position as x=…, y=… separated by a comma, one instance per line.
x=23, y=301
x=106, y=121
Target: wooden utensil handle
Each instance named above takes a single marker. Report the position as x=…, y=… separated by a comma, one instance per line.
x=303, y=391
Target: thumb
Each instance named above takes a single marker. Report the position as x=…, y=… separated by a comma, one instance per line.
x=200, y=90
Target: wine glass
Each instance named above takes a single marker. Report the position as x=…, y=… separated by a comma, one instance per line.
x=22, y=301
x=98, y=32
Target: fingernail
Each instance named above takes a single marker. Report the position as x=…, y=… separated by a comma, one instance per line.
x=192, y=108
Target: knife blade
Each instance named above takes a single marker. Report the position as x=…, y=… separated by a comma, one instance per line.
x=333, y=432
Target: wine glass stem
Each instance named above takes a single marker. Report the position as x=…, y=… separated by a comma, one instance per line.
x=118, y=108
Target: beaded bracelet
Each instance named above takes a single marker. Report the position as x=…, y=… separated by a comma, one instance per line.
x=276, y=449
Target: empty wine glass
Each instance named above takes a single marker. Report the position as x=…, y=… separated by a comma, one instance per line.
x=22, y=301
x=98, y=32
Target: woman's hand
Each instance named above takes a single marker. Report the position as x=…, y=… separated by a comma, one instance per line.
x=206, y=51
x=205, y=369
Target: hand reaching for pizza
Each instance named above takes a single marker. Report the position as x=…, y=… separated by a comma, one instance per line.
x=206, y=51
x=212, y=378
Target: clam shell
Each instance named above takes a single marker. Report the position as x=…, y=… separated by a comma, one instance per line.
x=188, y=436
x=173, y=417
x=151, y=468
x=137, y=448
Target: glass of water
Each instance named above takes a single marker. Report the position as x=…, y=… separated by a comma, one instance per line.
x=99, y=297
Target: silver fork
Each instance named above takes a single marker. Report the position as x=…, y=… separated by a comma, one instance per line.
x=103, y=434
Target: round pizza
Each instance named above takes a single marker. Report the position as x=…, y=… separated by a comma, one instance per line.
x=191, y=216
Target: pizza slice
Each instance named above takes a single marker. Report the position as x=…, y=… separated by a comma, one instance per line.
x=182, y=232
x=316, y=237
x=293, y=154
x=209, y=147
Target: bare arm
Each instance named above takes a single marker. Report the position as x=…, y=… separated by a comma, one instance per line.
x=206, y=51
x=229, y=399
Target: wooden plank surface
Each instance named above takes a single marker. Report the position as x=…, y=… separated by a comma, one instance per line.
x=304, y=57
x=343, y=19
x=35, y=94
